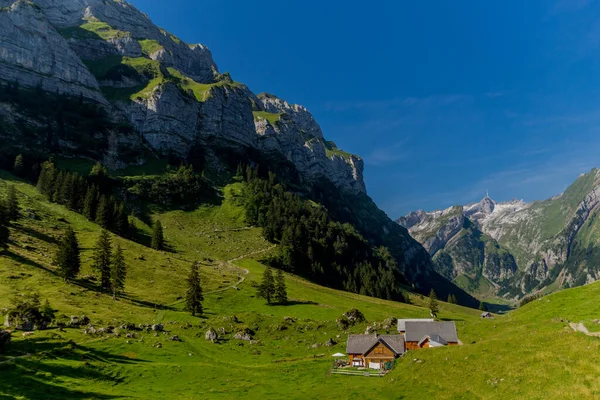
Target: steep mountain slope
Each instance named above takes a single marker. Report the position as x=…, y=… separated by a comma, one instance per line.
x=544, y=244
x=127, y=92
x=528, y=354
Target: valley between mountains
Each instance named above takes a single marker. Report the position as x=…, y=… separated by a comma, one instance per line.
x=167, y=233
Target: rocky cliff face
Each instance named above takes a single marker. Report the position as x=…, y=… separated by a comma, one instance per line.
x=540, y=242
x=35, y=54
x=171, y=92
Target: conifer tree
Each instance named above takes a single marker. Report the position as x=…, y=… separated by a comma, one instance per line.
x=56, y=188
x=12, y=204
x=102, y=259
x=66, y=192
x=158, y=240
x=104, y=212
x=121, y=220
x=433, y=304
x=79, y=192
x=482, y=306
x=193, y=297
x=118, y=272
x=90, y=203
x=67, y=257
x=280, y=288
x=266, y=289
x=4, y=221
x=46, y=180
x=19, y=166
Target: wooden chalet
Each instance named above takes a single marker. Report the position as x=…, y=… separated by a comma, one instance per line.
x=426, y=334
x=374, y=351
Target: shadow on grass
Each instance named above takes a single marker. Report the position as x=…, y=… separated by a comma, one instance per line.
x=54, y=362
x=26, y=261
x=296, y=303
x=148, y=304
x=38, y=235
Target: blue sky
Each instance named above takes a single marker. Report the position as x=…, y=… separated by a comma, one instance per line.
x=443, y=99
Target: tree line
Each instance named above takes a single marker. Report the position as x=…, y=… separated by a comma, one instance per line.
x=313, y=245
x=89, y=196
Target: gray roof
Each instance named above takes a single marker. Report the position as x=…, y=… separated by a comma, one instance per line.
x=395, y=342
x=433, y=338
x=402, y=322
x=360, y=344
x=415, y=331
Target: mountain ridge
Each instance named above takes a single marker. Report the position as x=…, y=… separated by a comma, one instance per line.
x=164, y=98
x=540, y=235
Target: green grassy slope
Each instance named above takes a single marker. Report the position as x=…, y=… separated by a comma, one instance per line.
x=526, y=354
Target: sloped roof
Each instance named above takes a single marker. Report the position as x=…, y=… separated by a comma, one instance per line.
x=417, y=330
x=402, y=322
x=395, y=342
x=433, y=338
x=361, y=344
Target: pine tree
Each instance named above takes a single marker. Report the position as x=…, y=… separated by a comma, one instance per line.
x=55, y=191
x=118, y=272
x=66, y=192
x=104, y=212
x=102, y=259
x=121, y=220
x=12, y=204
x=77, y=200
x=280, y=289
x=158, y=240
x=433, y=304
x=266, y=289
x=482, y=306
x=19, y=166
x=4, y=221
x=46, y=180
x=67, y=257
x=90, y=203
x=193, y=297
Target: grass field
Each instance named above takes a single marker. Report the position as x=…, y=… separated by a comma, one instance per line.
x=529, y=353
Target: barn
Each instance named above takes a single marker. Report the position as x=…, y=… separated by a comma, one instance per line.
x=426, y=334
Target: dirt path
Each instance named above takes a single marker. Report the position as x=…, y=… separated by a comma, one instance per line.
x=231, y=265
x=581, y=328
x=244, y=270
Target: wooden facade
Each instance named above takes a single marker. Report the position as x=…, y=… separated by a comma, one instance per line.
x=379, y=354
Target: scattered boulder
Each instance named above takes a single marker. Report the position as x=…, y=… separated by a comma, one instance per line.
x=390, y=322
x=221, y=330
x=158, y=327
x=316, y=345
x=158, y=345
x=27, y=334
x=330, y=343
x=128, y=326
x=243, y=336
x=175, y=339
x=289, y=319
x=130, y=335
x=354, y=316
x=211, y=335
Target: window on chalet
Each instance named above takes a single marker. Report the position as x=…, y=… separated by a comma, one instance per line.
x=379, y=350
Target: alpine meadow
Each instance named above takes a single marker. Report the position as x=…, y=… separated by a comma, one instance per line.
x=166, y=233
